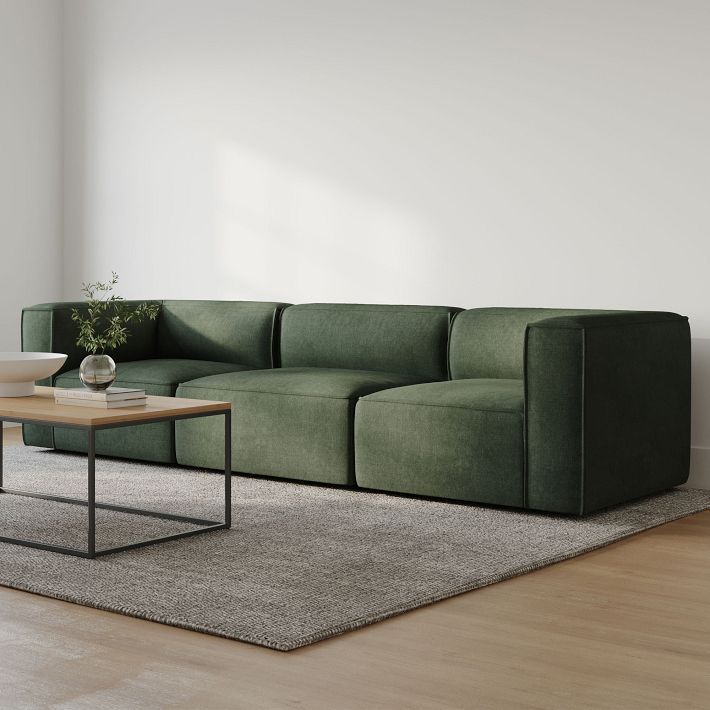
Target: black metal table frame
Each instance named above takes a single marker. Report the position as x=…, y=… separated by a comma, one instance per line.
x=91, y=552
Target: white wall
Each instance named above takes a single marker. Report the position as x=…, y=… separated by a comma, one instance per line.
x=30, y=159
x=478, y=152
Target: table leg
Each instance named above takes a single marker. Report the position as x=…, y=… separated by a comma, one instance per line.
x=92, y=493
x=228, y=469
x=91, y=504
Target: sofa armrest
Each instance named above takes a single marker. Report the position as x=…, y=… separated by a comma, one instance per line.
x=607, y=408
x=48, y=327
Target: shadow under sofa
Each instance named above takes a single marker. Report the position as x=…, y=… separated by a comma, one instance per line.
x=566, y=411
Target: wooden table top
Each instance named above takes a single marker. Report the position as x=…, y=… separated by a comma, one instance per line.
x=42, y=408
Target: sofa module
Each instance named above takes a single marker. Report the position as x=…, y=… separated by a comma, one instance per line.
x=188, y=340
x=562, y=411
x=297, y=421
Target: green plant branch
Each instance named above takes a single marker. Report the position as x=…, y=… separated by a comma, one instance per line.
x=104, y=325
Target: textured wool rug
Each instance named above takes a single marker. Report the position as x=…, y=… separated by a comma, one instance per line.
x=301, y=563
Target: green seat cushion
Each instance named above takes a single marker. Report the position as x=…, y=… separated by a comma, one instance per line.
x=290, y=423
x=486, y=394
x=461, y=439
x=304, y=381
x=149, y=442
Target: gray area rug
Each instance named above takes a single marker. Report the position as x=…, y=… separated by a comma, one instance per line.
x=301, y=563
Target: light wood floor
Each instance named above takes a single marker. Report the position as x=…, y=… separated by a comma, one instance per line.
x=624, y=627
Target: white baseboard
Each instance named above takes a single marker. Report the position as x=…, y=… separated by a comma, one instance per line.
x=699, y=467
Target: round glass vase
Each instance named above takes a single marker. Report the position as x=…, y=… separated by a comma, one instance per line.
x=97, y=372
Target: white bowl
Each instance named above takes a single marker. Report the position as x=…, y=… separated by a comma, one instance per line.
x=18, y=371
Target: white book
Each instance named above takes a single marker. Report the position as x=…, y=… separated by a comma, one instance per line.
x=75, y=402
x=112, y=394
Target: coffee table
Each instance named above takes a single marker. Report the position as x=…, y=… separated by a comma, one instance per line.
x=41, y=409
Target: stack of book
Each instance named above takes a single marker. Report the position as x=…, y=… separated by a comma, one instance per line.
x=107, y=399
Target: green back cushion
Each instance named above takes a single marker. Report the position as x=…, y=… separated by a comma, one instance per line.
x=48, y=327
x=221, y=331
x=409, y=340
x=489, y=342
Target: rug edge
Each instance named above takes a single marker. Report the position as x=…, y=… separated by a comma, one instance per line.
x=520, y=571
x=332, y=632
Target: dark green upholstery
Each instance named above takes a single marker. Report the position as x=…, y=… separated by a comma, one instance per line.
x=221, y=331
x=607, y=409
x=488, y=342
x=411, y=340
x=161, y=375
x=461, y=440
x=148, y=442
x=291, y=422
x=189, y=339
x=565, y=411
x=48, y=327
x=606, y=412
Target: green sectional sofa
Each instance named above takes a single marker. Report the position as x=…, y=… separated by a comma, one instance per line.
x=566, y=411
